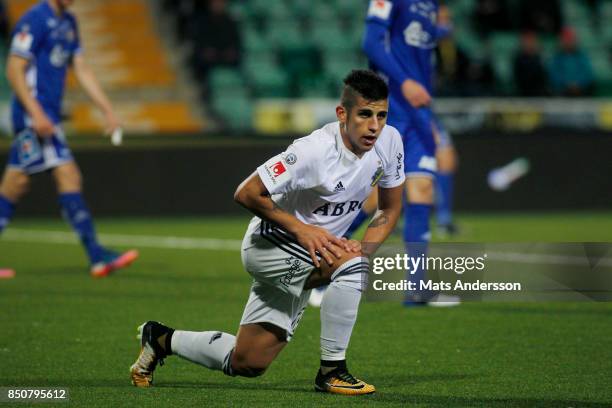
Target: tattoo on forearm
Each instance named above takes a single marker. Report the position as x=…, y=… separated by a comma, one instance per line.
x=378, y=221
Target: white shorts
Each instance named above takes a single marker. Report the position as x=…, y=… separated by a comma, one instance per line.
x=279, y=269
x=268, y=304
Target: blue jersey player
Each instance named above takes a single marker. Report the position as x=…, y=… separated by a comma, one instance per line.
x=399, y=41
x=45, y=42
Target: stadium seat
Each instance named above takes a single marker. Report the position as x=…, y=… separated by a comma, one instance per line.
x=284, y=34
x=266, y=11
x=225, y=81
x=267, y=78
x=237, y=112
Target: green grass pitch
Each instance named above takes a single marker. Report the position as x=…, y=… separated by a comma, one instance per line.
x=60, y=328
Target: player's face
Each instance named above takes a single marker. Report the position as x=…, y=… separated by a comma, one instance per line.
x=363, y=123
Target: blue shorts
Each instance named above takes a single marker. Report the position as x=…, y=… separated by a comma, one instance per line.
x=33, y=154
x=419, y=157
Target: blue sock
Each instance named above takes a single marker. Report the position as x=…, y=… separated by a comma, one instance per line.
x=444, y=198
x=362, y=216
x=416, y=238
x=6, y=212
x=77, y=214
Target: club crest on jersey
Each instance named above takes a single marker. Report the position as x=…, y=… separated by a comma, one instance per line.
x=291, y=158
x=377, y=175
x=59, y=56
x=380, y=9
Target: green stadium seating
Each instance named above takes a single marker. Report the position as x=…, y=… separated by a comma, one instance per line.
x=267, y=80
x=284, y=34
x=226, y=81
x=237, y=111
x=268, y=10
x=301, y=47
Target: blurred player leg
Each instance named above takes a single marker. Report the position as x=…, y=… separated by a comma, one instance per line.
x=14, y=185
x=446, y=156
x=76, y=212
x=416, y=234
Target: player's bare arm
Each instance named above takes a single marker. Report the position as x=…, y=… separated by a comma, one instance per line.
x=383, y=222
x=16, y=73
x=87, y=79
x=253, y=195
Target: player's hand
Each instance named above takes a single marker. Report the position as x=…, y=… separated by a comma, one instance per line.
x=415, y=93
x=42, y=125
x=112, y=122
x=319, y=240
x=354, y=245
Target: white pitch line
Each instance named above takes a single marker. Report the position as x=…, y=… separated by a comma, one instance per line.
x=148, y=241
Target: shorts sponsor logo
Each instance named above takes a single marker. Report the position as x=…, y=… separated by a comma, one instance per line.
x=294, y=266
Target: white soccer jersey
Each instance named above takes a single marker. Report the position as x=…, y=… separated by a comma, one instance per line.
x=321, y=182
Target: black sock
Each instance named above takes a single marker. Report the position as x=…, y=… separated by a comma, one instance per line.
x=167, y=342
x=341, y=364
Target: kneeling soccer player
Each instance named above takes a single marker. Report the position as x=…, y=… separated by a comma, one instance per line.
x=304, y=200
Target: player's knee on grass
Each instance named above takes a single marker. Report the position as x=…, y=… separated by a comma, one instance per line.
x=248, y=365
x=257, y=345
x=14, y=185
x=419, y=190
x=322, y=276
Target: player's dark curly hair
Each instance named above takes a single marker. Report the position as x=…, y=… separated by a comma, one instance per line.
x=364, y=83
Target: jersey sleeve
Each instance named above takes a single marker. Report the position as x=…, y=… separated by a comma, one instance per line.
x=28, y=35
x=393, y=175
x=375, y=40
x=294, y=169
